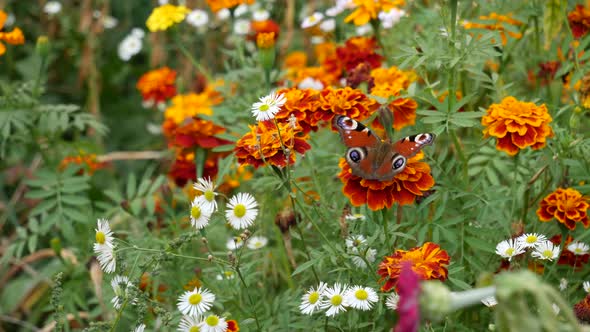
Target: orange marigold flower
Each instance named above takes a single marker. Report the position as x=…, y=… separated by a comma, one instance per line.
x=568, y=206
x=263, y=144
x=265, y=40
x=324, y=50
x=232, y=326
x=582, y=310
x=357, y=50
x=428, y=261
x=14, y=37
x=412, y=182
x=238, y=174
x=89, y=162
x=217, y=5
x=390, y=82
x=567, y=257
x=188, y=106
x=366, y=10
x=316, y=73
x=267, y=26
x=517, y=125
x=301, y=104
x=195, y=132
x=579, y=21
x=184, y=169
x=502, y=23
x=157, y=85
x=346, y=101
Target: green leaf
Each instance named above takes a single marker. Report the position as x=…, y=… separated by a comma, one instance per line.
x=131, y=186
x=74, y=215
x=75, y=199
x=39, y=194
x=304, y=266
x=32, y=243
x=553, y=17
x=44, y=206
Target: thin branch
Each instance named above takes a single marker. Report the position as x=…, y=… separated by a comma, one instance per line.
x=131, y=155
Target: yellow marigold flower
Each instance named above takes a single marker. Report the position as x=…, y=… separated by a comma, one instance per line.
x=568, y=206
x=265, y=40
x=517, y=125
x=187, y=106
x=14, y=37
x=166, y=16
x=366, y=10
x=497, y=24
x=217, y=5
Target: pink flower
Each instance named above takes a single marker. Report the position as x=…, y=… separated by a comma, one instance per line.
x=408, y=288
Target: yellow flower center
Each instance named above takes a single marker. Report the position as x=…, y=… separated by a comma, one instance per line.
x=361, y=294
x=264, y=108
x=577, y=250
x=548, y=253
x=509, y=251
x=194, y=329
x=336, y=300
x=212, y=320
x=240, y=210
x=313, y=297
x=209, y=195
x=100, y=237
x=312, y=19
x=195, y=212
x=195, y=299
x=531, y=239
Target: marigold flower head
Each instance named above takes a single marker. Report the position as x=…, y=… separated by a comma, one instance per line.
x=157, y=85
x=505, y=24
x=263, y=145
x=317, y=73
x=390, y=82
x=567, y=257
x=265, y=40
x=195, y=132
x=517, y=125
x=324, y=50
x=412, y=182
x=89, y=162
x=429, y=262
x=184, y=168
x=355, y=51
x=301, y=104
x=346, y=101
x=579, y=21
x=165, y=16
x=366, y=10
x=217, y=5
x=14, y=37
x=232, y=326
x=266, y=26
x=568, y=206
x=188, y=106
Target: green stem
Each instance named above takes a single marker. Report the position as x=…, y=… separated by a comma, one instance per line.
x=252, y=304
x=191, y=58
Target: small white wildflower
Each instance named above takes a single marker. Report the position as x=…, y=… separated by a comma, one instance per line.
x=137, y=33
x=195, y=302
x=310, y=83
x=312, y=300
x=360, y=297
x=268, y=106
x=390, y=18
x=207, y=197
x=392, y=301
x=240, y=10
x=189, y=323
x=586, y=286
x=213, y=323
x=260, y=14
x=241, y=27
x=121, y=285
x=530, y=240
x=234, y=242
x=562, y=284
x=200, y=214
x=241, y=210
x=256, y=242
x=197, y=18
x=363, y=30
x=129, y=47
x=139, y=328
x=578, y=248
x=509, y=248
x=546, y=251
x=328, y=25
x=312, y=20
x=355, y=216
x=355, y=241
x=334, y=299
x=358, y=254
x=223, y=14
x=52, y=7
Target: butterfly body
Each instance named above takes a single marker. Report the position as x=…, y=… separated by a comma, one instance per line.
x=372, y=158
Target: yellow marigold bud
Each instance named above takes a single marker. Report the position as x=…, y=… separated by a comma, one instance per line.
x=42, y=46
x=265, y=40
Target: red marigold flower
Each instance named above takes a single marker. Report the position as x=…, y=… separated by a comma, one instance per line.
x=184, y=169
x=517, y=125
x=567, y=257
x=194, y=132
x=579, y=21
x=346, y=101
x=232, y=326
x=582, y=310
x=429, y=262
x=408, y=306
x=157, y=85
x=266, y=26
x=302, y=104
x=568, y=206
x=413, y=181
x=89, y=161
x=263, y=144
x=359, y=50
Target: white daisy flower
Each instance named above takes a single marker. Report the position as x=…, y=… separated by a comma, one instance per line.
x=268, y=106
x=509, y=248
x=362, y=30
x=106, y=258
x=489, y=301
x=310, y=83
x=390, y=18
x=355, y=216
x=334, y=302
x=223, y=14
x=341, y=5
x=234, y=243
x=260, y=14
x=104, y=235
x=200, y=214
x=240, y=10
x=213, y=323
x=563, y=284
x=257, y=242
x=189, y=323
x=227, y=275
x=312, y=300
x=129, y=47
x=392, y=301
x=196, y=302
x=52, y=7
x=546, y=250
x=207, y=188
x=197, y=18
x=137, y=33
x=120, y=285
x=578, y=248
x=241, y=210
x=530, y=240
x=139, y=328
x=368, y=254
x=328, y=25
x=586, y=286
x=360, y=297
x=104, y=246
x=355, y=241
x=241, y=27
x=109, y=22
x=312, y=20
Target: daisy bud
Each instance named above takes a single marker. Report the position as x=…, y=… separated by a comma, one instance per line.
x=231, y=257
x=204, y=240
x=210, y=258
x=243, y=236
x=42, y=46
x=435, y=300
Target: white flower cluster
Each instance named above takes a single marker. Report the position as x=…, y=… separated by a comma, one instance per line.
x=357, y=246
x=131, y=44
x=194, y=306
x=540, y=247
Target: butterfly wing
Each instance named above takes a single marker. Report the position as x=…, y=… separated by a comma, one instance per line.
x=362, y=145
x=409, y=146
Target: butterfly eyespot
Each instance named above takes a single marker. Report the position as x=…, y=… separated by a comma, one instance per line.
x=355, y=155
x=346, y=123
x=398, y=162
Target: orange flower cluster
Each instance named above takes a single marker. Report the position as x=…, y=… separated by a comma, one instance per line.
x=568, y=206
x=87, y=160
x=264, y=145
x=579, y=21
x=582, y=310
x=355, y=51
x=345, y=101
x=189, y=105
x=499, y=22
x=14, y=37
x=157, y=86
x=429, y=262
x=390, y=82
x=567, y=257
x=412, y=182
x=302, y=104
x=265, y=40
x=217, y=5
x=366, y=10
x=266, y=27
x=517, y=125
x=232, y=326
